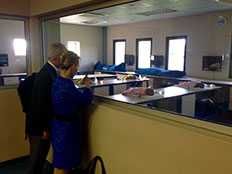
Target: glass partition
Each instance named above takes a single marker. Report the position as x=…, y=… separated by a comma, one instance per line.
x=13, y=51
x=179, y=37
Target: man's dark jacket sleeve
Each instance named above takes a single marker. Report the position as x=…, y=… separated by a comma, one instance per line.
x=42, y=109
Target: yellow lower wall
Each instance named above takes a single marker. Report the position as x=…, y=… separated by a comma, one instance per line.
x=12, y=143
x=136, y=142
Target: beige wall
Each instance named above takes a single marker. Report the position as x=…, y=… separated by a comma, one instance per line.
x=204, y=38
x=91, y=42
x=12, y=143
x=138, y=141
x=44, y=6
x=15, y=7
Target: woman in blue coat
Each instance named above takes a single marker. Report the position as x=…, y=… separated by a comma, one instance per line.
x=68, y=101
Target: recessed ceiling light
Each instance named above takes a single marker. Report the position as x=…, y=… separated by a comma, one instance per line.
x=132, y=4
x=123, y=7
x=146, y=5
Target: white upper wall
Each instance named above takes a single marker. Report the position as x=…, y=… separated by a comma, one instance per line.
x=91, y=43
x=205, y=37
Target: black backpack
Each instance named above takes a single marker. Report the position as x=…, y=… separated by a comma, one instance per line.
x=91, y=167
x=25, y=92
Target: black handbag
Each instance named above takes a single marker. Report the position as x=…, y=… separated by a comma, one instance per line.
x=91, y=167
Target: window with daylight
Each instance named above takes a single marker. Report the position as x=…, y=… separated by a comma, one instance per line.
x=74, y=46
x=119, y=48
x=20, y=47
x=143, y=52
x=176, y=53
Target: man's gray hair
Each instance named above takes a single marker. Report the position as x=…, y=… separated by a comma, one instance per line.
x=56, y=50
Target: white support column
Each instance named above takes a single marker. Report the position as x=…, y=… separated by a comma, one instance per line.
x=188, y=105
x=230, y=102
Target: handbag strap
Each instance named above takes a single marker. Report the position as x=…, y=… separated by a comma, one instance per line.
x=93, y=164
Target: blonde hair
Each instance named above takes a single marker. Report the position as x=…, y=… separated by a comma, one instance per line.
x=56, y=50
x=68, y=59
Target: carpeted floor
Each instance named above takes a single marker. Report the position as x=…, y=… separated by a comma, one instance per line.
x=14, y=167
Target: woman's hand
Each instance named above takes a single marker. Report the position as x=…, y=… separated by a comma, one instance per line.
x=87, y=82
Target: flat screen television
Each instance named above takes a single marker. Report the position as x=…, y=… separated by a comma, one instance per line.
x=3, y=60
x=157, y=61
x=129, y=59
x=212, y=63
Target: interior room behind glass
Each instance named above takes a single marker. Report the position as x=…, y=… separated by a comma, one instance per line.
x=191, y=39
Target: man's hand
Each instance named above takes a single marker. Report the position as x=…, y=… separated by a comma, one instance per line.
x=87, y=82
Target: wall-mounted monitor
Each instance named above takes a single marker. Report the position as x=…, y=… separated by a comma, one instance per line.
x=129, y=59
x=157, y=61
x=3, y=60
x=212, y=63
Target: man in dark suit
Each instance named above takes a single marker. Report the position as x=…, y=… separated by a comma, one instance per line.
x=41, y=109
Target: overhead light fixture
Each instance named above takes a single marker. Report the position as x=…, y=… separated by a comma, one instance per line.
x=92, y=14
x=224, y=1
x=157, y=12
x=147, y=5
